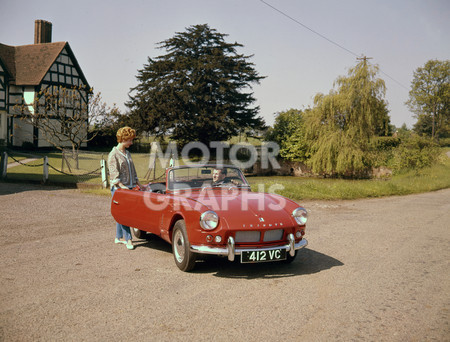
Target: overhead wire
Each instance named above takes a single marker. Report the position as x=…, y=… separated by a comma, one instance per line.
x=326, y=38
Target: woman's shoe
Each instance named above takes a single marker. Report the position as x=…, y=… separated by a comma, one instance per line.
x=119, y=241
x=130, y=245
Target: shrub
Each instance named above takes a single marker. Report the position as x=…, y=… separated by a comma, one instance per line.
x=444, y=142
x=384, y=143
x=381, y=150
x=104, y=138
x=415, y=152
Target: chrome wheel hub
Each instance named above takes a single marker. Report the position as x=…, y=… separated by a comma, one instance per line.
x=179, y=249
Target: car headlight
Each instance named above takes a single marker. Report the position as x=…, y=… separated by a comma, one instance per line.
x=209, y=220
x=300, y=215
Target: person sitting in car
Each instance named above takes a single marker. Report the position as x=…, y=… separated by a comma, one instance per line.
x=219, y=176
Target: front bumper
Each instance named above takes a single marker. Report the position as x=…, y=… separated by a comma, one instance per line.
x=231, y=251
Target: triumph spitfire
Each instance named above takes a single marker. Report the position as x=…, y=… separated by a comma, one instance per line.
x=211, y=209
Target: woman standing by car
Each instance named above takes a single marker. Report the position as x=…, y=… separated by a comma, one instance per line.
x=122, y=174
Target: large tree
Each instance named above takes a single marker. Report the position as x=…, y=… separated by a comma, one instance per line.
x=429, y=98
x=199, y=91
x=341, y=124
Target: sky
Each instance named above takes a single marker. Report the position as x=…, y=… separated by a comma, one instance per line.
x=301, y=50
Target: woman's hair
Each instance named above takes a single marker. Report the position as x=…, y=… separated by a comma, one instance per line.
x=125, y=133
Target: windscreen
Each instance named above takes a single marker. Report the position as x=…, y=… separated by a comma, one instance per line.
x=205, y=176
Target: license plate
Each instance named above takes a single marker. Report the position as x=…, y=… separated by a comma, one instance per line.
x=263, y=256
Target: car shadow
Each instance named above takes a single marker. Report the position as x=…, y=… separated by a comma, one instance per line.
x=308, y=261
x=154, y=242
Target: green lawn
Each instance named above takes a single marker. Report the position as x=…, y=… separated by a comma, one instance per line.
x=88, y=163
x=33, y=171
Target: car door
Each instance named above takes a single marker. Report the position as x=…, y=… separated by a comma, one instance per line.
x=139, y=209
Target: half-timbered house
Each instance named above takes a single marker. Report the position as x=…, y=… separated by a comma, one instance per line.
x=26, y=72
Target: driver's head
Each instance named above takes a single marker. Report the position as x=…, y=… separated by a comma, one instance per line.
x=219, y=174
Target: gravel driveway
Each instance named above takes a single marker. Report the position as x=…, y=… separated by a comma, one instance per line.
x=374, y=270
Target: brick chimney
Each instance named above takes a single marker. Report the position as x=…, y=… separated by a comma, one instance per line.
x=42, y=32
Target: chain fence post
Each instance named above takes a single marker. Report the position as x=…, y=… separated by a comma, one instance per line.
x=4, y=165
x=45, y=169
x=104, y=177
x=62, y=160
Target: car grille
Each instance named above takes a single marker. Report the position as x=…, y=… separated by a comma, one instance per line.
x=255, y=236
x=273, y=235
x=247, y=236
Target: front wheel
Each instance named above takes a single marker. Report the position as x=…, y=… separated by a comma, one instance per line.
x=181, y=248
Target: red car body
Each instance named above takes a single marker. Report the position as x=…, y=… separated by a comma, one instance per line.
x=198, y=217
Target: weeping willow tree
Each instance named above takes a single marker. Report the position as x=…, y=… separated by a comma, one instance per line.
x=340, y=126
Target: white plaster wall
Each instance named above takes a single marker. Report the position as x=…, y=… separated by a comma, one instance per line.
x=15, y=97
x=43, y=142
x=2, y=91
x=22, y=132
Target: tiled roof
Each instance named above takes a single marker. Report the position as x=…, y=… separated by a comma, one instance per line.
x=28, y=64
x=7, y=57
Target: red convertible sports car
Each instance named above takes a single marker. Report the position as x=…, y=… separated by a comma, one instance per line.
x=210, y=209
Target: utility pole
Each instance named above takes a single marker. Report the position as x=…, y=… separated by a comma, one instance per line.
x=364, y=58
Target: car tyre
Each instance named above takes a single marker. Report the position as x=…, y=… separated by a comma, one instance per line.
x=181, y=248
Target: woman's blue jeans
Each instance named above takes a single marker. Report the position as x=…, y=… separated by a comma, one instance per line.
x=121, y=230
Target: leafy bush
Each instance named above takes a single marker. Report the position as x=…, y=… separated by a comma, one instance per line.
x=415, y=153
x=103, y=138
x=384, y=143
x=286, y=124
x=288, y=133
x=381, y=150
x=444, y=142
x=295, y=147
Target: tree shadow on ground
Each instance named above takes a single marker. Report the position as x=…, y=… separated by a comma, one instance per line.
x=307, y=261
x=9, y=188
